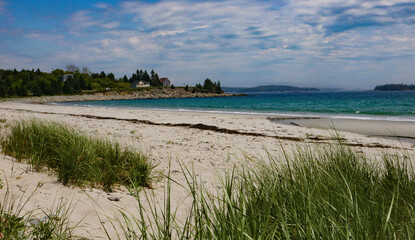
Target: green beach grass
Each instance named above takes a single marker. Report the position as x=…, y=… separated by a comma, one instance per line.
x=331, y=192
x=77, y=158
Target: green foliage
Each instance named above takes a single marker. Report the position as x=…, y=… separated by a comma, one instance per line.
x=76, y=158
x=186, y=88
x=208, y=86
x=395, y=87
x=11, y=226
x=325, y=193
x=38, y=83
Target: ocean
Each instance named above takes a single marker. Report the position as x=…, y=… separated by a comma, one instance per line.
x=395, y=106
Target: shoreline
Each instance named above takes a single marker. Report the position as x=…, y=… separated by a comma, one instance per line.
x=155, y=93
x=395, y=129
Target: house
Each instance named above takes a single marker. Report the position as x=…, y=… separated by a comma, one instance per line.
x=65, y=77
x=165, y=81
x=137, y=84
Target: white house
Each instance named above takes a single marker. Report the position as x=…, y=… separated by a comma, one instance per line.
x=65, y=77
x=137, y=84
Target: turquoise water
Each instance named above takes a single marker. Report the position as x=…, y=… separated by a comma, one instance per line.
x=376, y=105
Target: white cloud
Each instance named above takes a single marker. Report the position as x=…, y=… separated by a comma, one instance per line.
x=114, y=24
x=102, y=5
x=224, y=38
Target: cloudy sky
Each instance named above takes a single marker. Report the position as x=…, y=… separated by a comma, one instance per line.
x=324, y=43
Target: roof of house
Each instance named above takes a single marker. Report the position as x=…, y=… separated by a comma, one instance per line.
x=163, y=79
x=137, y=82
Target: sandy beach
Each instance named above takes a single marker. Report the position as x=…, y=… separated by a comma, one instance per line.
x=206, y=142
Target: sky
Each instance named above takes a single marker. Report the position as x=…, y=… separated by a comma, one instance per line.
x=351, y=44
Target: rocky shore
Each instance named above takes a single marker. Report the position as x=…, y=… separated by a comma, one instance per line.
x=121, y=95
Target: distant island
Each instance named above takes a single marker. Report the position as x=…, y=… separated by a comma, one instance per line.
x=395, y=87
x=270, y=88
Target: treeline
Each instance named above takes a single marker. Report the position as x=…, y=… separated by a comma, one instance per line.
x=140, y=75
x=72, y=81
x=395, y=87
x=208, y=86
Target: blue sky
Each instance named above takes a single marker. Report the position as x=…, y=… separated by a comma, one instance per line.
x=325, y=43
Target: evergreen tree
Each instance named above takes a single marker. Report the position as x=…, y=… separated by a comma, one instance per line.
x=133, y=78
x=208, y=85
x=102, y=75
x=56, y=87
x=125, y=78
x=82, y=83
x=146, y=77
x=36, y=91
x=2, y=88
x=186, y=88
x=155, y=81
x=218, y=88
x=111, y=76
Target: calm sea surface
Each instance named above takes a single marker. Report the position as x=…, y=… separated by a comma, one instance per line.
x=363, y=105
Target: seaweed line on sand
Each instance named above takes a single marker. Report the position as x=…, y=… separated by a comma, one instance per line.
x=200, y=126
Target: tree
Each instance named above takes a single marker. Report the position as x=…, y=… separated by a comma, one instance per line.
x=208, y=85
x=111, y=76
x=85, y=70
x=82, y=83
x=218, y=88
x=186, y=88
x=21, y=91
x=102, y=75
x=58, y=72
x=172, y=86
x=2, y=88
x=72, y=68
x=146, y=77
x=125, y=78
x=36, y=91
x=155, y=80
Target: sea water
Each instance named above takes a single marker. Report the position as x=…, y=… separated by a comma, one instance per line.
x=399, y=106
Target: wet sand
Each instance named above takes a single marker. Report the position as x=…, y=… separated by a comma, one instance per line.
x=397, y=130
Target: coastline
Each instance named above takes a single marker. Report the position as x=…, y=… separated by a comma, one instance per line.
x=207, y=143
x=119, y=95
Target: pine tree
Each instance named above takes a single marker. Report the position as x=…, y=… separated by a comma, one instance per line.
x=102, y=75
x=146, y=77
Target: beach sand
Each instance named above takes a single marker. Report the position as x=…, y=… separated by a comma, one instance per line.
x=206, y=142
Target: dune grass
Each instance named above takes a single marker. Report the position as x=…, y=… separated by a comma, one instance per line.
x=18, y=224
x=324, y=193
x=76, y=158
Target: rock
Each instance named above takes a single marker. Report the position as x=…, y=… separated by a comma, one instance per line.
x=34, y=221
x=115, y=95
x=114, y=199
